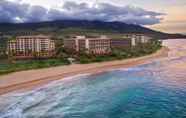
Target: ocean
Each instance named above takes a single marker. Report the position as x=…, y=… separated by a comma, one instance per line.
x=153, y=90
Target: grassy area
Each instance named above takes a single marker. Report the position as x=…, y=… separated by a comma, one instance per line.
x=30, y=64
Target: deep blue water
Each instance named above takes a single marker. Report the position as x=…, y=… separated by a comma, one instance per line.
x=153, y=90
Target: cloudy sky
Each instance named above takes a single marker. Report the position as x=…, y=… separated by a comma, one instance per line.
x=163, y=15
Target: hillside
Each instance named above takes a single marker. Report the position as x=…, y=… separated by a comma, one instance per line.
x=80, y=26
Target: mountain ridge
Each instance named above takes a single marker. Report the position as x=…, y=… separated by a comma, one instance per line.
x=59, y=25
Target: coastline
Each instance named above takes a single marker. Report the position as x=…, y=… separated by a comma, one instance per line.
x=28, y=80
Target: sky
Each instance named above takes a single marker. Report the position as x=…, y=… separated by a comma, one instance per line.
x=162, y=15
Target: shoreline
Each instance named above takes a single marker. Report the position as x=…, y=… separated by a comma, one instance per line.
x=31, y=79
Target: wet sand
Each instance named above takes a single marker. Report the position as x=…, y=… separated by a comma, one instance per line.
x=28, y=80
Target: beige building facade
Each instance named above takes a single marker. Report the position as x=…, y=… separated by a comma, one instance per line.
x=137, y=38
x=38, y=46
x=93, y=45
x=103, y=44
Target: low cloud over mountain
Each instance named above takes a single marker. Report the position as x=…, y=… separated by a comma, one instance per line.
x=18, y=12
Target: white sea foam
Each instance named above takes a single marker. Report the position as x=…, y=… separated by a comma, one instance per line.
x=15, y=107
x=16, y=113
x=51, y=84
x=16, y=103
x=128, y=69
x=57, y=82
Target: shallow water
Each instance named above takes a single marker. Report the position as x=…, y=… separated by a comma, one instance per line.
x=153, y=90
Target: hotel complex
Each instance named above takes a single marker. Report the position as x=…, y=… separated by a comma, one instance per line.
x=103, y=44
x=38, y=46
x=90, y=45
x=137, y=38
x=41, y=46
x=120, y=43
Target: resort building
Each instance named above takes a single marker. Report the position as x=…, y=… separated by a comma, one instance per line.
x=121, y=43
x=103, y=44
x=38, y=46
x=93, y=45
x=137, y=38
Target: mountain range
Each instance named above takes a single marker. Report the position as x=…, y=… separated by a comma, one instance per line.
x=63, y=26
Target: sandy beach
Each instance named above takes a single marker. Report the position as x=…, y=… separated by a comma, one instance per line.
x=28, y=80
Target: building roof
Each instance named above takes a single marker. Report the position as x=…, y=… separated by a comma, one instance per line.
x=90, y=37
x=137, y=34
x=34, y=36
x=122, y=38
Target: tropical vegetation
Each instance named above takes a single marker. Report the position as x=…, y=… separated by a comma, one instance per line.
x=117, y=54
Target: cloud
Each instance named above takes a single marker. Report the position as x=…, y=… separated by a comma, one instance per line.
x=19, y=12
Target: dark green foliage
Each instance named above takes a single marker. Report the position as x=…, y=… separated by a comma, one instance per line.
x=30, y=64
x=3, y=47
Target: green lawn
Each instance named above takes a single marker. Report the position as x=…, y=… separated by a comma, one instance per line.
x=29, y=64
